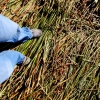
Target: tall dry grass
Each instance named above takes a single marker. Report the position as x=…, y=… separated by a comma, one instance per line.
x=65, y=59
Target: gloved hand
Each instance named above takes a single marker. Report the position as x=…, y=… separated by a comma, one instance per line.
x=36, y=32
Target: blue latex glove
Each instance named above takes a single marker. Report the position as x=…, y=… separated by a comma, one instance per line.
x=8, y=59
x=12, y=32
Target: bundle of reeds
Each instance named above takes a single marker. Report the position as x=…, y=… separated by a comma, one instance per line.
x=65, y=59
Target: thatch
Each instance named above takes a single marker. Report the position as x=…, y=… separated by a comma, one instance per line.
x=65, y=59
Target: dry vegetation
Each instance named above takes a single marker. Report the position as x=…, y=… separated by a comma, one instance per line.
x=65, y=59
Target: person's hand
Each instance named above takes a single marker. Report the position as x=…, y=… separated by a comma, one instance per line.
x=36, y=32
x=26, y=61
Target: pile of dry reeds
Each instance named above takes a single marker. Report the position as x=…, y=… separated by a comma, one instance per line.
x=65, y=59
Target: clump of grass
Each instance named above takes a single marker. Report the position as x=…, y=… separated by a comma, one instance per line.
x=65, y=59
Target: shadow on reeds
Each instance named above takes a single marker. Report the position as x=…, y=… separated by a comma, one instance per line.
x=8, y=45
